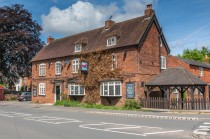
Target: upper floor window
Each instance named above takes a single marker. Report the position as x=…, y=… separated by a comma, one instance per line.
x=111, y=88
x=161, y=42
x=77, y=48
x=75, y=65
x=42, y=69
x=200, y=71
x=58, y=67
x=42, y=89
x=163, y=62
x=76, y=89
x=114, y=61
x=111, y=41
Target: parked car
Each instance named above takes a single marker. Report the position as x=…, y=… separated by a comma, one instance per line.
x=25, y=96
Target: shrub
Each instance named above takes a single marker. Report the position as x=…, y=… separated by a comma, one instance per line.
x=68, y=103
x=132, y=104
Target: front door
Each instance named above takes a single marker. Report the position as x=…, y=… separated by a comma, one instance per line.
x=57, y=92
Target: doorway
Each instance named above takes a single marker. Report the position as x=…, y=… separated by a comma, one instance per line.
x=57, y=92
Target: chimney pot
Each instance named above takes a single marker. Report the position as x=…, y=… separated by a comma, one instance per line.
x=49, y=39
x=206, y=59
x=109, y=23
x=149, y=10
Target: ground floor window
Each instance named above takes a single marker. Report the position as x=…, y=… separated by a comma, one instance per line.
x=111, y=88
x=76, y=89
x=42, y=90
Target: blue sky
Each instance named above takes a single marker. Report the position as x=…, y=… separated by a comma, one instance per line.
x=185, y=23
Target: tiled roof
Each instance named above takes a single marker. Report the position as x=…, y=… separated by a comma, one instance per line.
x=130, y=33
x=196, y=63
x=175, y=76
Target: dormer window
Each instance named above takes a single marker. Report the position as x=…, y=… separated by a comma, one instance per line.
x=111, y=41
x=78, y=48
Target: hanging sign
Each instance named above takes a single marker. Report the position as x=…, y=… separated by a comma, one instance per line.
x=84, y=66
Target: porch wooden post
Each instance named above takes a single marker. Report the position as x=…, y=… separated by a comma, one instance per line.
x=168, y=98
x=192, y=97
x=204, y=97
x=199, y=99
x=148, y=99
x=182, y=97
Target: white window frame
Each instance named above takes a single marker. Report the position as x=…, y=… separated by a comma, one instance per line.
x=108, y=84
x=111, y=41
x=114, y=61
x=72, y=92
x=42, y=89
x=75, y=65
x=201, y=71
x=57, y=68
x=78, y=48
x=162, y=62
x=42, y=69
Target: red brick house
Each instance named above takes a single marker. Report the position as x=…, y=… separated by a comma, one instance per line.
x=138, y=46
x=199, y=69
x=24, y=82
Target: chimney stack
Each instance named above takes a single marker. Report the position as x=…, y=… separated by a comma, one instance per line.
x=206, y=59
x=108, y=23
x=49, y=39
x=149, y=10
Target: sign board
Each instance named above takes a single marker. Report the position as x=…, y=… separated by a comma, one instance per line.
x=84, y=66
x=130, y=90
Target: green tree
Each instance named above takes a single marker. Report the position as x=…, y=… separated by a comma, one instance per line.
x=19, y=42
x=195, y=54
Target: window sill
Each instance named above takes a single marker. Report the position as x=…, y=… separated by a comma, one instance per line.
x=42, y=95
x=110, y=45
x=75, y=95
x=111, y=96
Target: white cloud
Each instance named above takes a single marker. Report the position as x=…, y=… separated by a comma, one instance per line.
x=82, y=16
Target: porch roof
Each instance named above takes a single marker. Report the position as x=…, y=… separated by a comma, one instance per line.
x=176, y=77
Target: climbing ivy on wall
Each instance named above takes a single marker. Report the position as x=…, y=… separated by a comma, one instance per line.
x=99, y=69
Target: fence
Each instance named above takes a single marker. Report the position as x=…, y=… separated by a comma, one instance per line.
x=187, y=104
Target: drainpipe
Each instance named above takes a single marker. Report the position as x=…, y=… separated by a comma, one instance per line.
x=159, y=38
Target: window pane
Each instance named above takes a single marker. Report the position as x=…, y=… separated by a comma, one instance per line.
x=117, y=90
x=111, y=90
x=76, y=89
x=72, y=89
x=105, y=89
x=81, y=90
x=101, y=86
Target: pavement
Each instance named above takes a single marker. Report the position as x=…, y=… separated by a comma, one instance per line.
x=66, y=122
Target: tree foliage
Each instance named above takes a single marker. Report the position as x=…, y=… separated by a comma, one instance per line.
x=19, y=42
x=196, y=54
